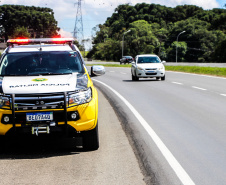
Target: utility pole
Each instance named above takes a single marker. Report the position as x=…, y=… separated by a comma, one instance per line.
x=78, y=29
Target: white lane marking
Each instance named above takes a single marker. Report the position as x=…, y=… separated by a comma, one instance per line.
x=223, y=94
x=178, y=169
x=178, y=83
x=123, y=73
x=197, y=75
x=199, y=88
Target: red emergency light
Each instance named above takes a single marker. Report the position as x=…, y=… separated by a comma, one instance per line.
x=41, y=40
x=17, y=41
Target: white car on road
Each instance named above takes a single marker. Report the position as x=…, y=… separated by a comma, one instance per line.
x=148, y=66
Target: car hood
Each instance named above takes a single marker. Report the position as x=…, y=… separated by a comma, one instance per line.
x=150, y=65
x=39, y=84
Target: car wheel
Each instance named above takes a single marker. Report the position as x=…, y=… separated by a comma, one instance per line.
x=136, y=78
x=91, y=73
x=133, y=78
x=91, y=139
x=163, y=78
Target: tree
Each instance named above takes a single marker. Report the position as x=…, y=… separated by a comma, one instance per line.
x=141, y=39
x=219, y=55
x=108, y=50
x=154, y=29
x=38, y=21
x=20, y=32
x=181, y=51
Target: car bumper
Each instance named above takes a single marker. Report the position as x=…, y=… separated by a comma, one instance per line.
x=150, y=74
x=86, y=119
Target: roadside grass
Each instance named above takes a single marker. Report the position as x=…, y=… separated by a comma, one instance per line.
x=214, y=71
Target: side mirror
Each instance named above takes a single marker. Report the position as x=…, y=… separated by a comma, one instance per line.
x=97, y=70
x=133, y=63
x=163, y=61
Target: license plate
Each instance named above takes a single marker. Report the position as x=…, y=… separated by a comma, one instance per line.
x=151, y=72
x=39, y=116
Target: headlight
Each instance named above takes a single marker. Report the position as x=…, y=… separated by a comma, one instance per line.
x=140, y=68
x=81, y=97
x=161, y=68
x=4, y=101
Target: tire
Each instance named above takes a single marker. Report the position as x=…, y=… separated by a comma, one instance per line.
x=91, y=139
x=134, y=78
x=163, y=78
x=91, y=73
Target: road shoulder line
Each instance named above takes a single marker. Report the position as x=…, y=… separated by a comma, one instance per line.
x=178, y=169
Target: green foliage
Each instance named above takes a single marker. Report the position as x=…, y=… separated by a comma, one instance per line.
x=108, y=50
x=38, y=21
x=20, y=32
x=155, y=29
x=141, y=39
x=219, y=54
x=216, y=71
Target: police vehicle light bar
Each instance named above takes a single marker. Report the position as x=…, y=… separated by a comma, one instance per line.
x=40, y=40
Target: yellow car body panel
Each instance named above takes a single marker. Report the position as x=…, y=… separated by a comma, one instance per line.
x=88, y=113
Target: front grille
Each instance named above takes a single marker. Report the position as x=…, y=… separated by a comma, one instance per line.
x=151, y=73
x=39, y=101
x=151, y=69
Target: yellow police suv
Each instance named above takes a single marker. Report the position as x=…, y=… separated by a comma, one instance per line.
x=45, y=89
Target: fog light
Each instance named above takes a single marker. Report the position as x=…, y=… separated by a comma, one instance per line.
x=6, y=119
x=74, y=115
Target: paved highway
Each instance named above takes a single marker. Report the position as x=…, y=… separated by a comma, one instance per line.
x=57, y=161
x=187, y=114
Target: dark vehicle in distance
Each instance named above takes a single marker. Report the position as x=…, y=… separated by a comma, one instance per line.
x=126, y=59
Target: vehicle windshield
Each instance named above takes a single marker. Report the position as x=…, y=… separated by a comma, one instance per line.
x=148, y=59
x=40, y=63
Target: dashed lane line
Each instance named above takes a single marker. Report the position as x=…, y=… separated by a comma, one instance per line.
x=178, y=83
x=199, y=88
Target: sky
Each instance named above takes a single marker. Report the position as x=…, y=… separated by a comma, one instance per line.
x=96, y=12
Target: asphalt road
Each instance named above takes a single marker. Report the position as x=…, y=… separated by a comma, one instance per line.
x=59, y=161
x=187, y=112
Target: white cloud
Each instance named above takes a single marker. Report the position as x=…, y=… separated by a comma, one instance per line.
x=65, y=34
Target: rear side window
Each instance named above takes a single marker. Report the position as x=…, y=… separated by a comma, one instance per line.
x=14, y=64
